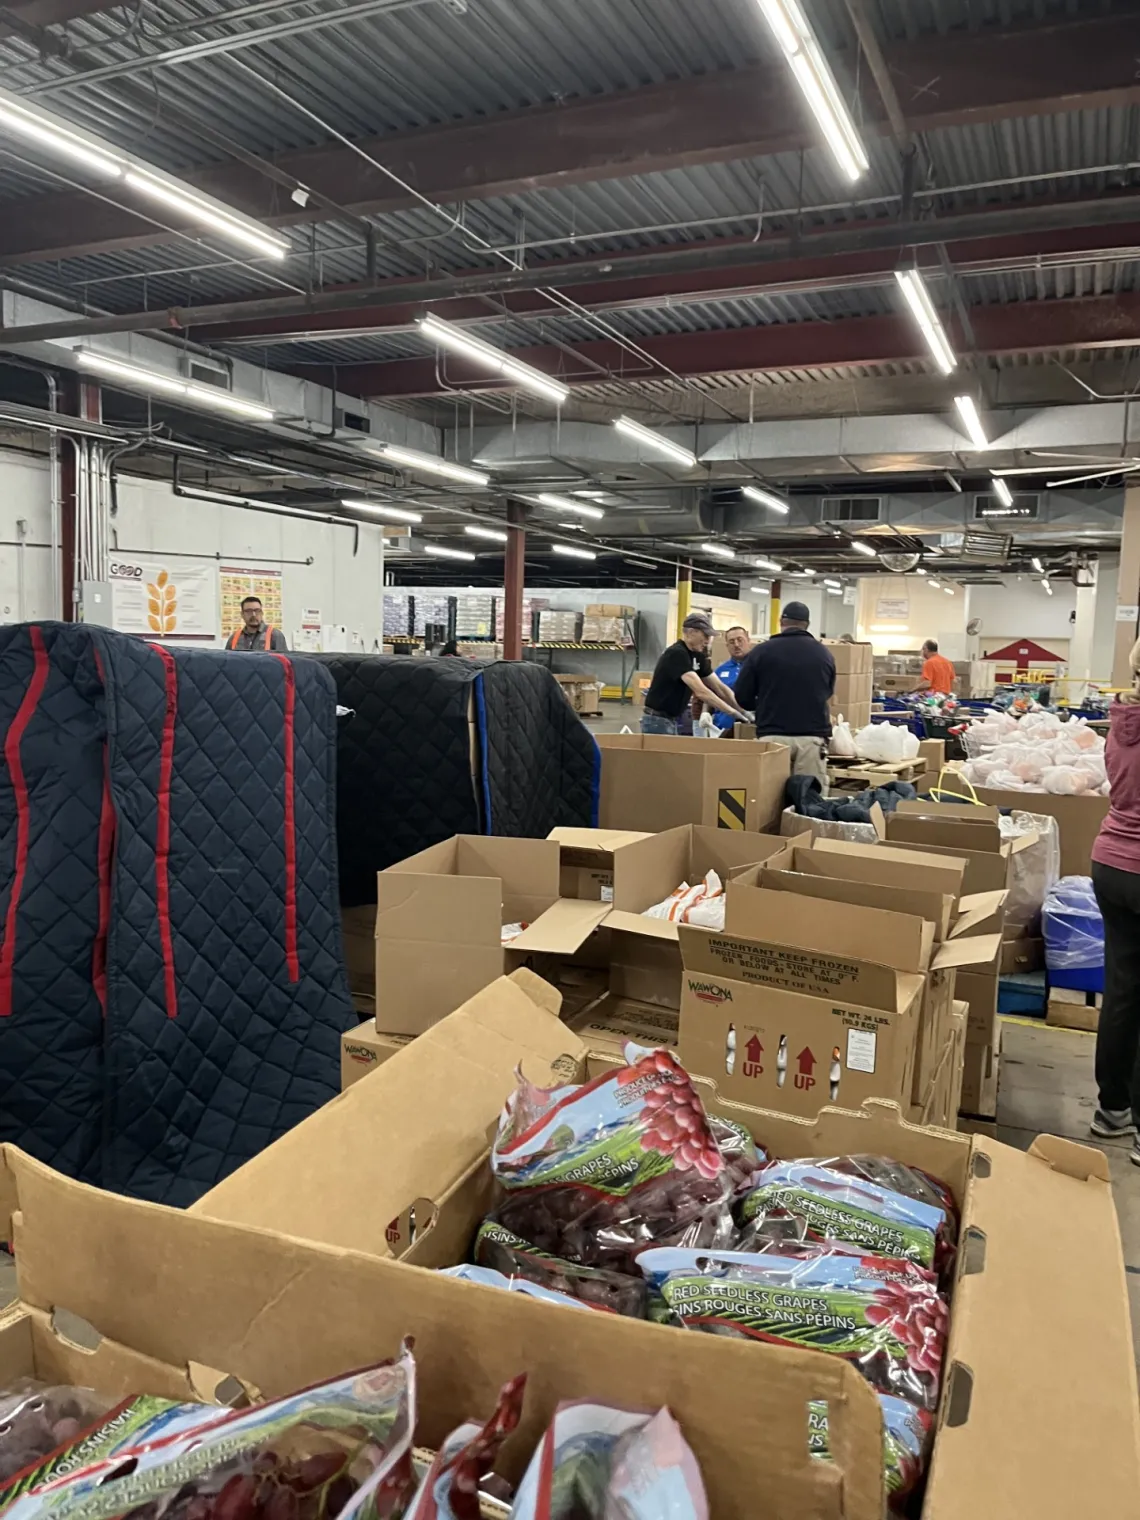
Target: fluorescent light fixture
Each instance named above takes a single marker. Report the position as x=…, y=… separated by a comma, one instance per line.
x=768, y=564
x=529, y=379
x=760, y=590
x=56, y=135
x=813, y=74
x=432, y=464
x=567, y=504
x=863, y=548
x=381, y=509
x=802, y=575
x=920, y=571
x=971, y=422
x=719, y=550
x=888, y=628
x=654, y=440
x=838, y=584
x=922, y=309
x=949, y=590
x=568, y=551
x=440, y=551
x=1037, y=565
x=171, y=385
x=1002, y=491
x=1048, y=587
x=835, y=591
x=935, y=585
x=765, y=498
x=592, y=495
x=492, y=534
x=210, y=213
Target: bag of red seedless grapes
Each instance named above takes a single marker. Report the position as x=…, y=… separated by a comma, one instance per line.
x=340, y=1449
x=594, y=1173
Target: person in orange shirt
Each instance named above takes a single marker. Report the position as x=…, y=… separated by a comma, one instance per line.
x=937, y=671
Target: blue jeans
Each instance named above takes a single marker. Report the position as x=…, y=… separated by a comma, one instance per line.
x=654, y=723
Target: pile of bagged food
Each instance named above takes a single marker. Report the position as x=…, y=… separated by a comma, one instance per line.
x=339, y=1451
x=623, y=1195
x=1036, y=753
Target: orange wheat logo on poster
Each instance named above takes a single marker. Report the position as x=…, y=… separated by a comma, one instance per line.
x=162, y=604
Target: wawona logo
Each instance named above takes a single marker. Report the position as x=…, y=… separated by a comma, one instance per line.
x=710, y=992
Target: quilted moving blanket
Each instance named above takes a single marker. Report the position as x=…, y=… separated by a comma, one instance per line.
x=443, y=747
x=172, y=987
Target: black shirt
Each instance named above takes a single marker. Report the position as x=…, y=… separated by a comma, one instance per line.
x=787, y=681
x=667, y=692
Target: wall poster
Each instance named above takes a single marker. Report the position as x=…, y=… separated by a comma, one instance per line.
x=238, y=582
x=175, y=599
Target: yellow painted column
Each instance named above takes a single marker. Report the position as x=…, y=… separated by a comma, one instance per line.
x=1127, y=589
x=684, y=595
x=774, y=608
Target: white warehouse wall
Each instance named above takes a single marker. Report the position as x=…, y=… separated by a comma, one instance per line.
x=318, y=567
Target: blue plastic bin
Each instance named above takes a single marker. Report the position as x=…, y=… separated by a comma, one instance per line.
x=1074, y=936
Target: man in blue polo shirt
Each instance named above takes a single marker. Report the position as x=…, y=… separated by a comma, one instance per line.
x=739, y=643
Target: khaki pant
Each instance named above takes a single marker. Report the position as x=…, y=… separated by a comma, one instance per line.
x=809, y=755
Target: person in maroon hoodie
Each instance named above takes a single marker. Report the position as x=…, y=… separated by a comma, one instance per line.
x=1116, y=881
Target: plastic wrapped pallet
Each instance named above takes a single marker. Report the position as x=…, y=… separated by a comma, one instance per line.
x=1034, y=870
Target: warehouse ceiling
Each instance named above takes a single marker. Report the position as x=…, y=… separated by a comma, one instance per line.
x=632, y=198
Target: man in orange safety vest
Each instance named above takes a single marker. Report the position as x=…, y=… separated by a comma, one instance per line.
x=254, y=633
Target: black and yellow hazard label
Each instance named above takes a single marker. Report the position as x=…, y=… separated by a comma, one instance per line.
x=731, y=807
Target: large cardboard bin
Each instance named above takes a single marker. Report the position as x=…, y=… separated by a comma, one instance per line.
x=655, y=782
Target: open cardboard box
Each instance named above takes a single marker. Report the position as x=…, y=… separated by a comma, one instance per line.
x=1039, y=1417
x=169, y=1294
x=440, y=916
x=943, y=828
x=656, y=782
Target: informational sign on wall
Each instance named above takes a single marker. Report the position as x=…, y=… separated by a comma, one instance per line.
x=890, y=608
x=238, y=582
x=175, y=599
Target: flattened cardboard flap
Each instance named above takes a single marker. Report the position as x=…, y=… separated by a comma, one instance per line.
x=563, y=928
x=816, y=973
x=934, y=907
x=403, y=1132
x=975, y=910
x=876, y=858
x=595, y=841
x=898, y=940
x=974, y=950
x=948, y=832
x=964, y=813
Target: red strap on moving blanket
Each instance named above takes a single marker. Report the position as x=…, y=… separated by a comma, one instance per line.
x=15, y=766
x=162, y=831
x=291, y=958
x=105, y=851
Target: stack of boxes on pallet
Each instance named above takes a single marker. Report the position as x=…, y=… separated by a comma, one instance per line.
x=605, y=623
x=583, y=692
x=853, y=683
x=556, y=626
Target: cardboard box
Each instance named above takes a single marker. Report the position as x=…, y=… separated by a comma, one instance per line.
x=850, y=659
x=586, y=860
x=358, y=934
x=933, y=751
x=1065, y=1013
x=1078, y=821
x=740, y=1405
x=851, y=692
x=980, y=1070
x=639, y=684
x=978, y=843
x=654, y=782
x=440, y=914
x=364, y=1048
x=610, y=1024
x=857, y=714
x=1022, y=955
x=793, y=823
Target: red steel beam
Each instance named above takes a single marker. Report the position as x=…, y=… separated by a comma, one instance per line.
x=806, y=273
x=1017, y=327
x=963, y=79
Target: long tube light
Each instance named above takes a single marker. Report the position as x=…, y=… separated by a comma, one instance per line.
x=171, y=385
x=382, y=509
x=935, y=585
x=760, y=590
x=654, y=440
x=440, y=551
x=861, y=547
x=835, y=591
x=52, y=133
x=720, y=550
x=765, y=498
x=530, y=379
x=432, y=464
x=568, y=551
x=949, y=590
x=567, y=504
x=813, y=74
x=837, y=584
x=1045, y=583
x=929, y=322
x=971, y=421
x=1002, y=491
x=492, y=534
x=768, y=564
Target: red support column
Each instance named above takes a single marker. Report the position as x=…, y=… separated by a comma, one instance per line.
x=514, y=575
x=78, y=398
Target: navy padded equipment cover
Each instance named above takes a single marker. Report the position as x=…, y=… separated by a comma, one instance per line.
x=446, y=746
x=177, y=987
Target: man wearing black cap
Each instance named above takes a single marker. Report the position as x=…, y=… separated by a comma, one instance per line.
x=685, y=671
x=789, y=680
